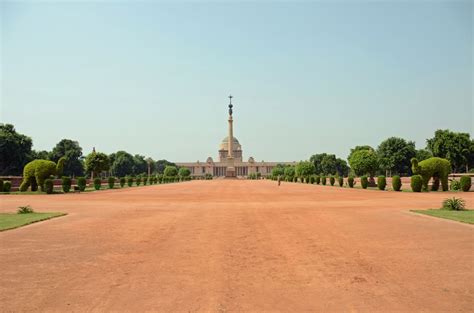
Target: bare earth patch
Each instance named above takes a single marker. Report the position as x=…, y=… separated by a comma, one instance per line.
x=225, y=246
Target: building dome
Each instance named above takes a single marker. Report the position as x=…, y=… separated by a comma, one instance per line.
x=225, y=144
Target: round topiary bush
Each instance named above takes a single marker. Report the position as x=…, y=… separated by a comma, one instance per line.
x=466, y=183
x=97, y=183
x=48, y=186
x=435, y=185
x=1, y=185
x=332, y=180
x=396, y=183
x=340, y=180
x=416, y=183
x=364, y=182
x=111, y=182
x=66, y=183
x=381, y=182
x=7, y=186
x=122, y=182
x=81, y=183
x=311, y=180
x=318, y=180
x=455, y=185
x=323, y=180
x=130, y=181
x=351, y=181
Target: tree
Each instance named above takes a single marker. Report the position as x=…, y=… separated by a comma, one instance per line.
x=72, y=152
x=317, y=159
x=278, y=170
x=15, y=150
x=97, y=162
x=358, y=148
x=452, y=146
x=395, y=154
x=39, y=155
x=162, y=164
x=364, y=162
x=304, y=169
x=151, y=165
x=423, y=154
x=123, y=164
x=328, y=164
x=170, y=171
x=140, y=166
x=341, y=167
x=184, y=172
x=290, y=172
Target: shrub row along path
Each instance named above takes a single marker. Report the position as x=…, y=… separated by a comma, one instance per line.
x=232, y=245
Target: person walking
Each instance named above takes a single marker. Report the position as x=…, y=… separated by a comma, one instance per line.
x=279, y=180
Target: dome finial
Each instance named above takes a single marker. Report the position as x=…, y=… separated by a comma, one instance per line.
x=230, y=105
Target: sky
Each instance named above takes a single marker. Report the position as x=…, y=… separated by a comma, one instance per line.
x=153, y=78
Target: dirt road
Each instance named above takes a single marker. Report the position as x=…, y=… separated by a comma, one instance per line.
x=237, y=246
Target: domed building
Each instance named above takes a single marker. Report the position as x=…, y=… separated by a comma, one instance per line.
x=230, y=159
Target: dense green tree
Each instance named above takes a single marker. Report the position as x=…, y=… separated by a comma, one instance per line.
x=395, y=154
x=39, y=155
x=342, y=168
x=317, y=159
x=278, y=170
x=358, y=148
x=162, y=164
x=456, y=147
x=184, y=172
x=15, y=150
x=290, y=172
x=170, y=171
x=123, y=164
x=72, y=152
x=304, y=169
x=423, y=154
x=364, y=162
x=96, y=163
x=140, y=166
x=328, y=164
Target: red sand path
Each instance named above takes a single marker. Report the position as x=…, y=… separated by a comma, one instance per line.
x=227, y=246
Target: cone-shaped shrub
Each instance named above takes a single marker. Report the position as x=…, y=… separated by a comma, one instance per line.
x=122, y=181
x=340, y=180
x=48, y=186
x=111, y=182
x=323, y=180
x=139, y=181
x=364, y=182
x=130, y=181
x=311, y=180
x=332, y=180
x=7, y=186
x=381, y=182
x=466, y=183
x=396, y=183
x=81, y=183
x=66, y=183
x=97, y=183
x=416, y=183
x=145, y=181
x=351, y=181
x=318, y=180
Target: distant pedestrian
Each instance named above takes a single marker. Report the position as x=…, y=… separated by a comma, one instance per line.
x=279, y=180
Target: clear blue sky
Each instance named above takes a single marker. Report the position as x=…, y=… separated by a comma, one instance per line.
x=153, y=78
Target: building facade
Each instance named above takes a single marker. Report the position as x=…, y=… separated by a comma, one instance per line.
x=230, y=162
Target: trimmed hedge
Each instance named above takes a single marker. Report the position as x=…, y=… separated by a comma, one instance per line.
x=381, y=182
x=340, y=180
x=466, y=183
x=351, y=181
x=323, y=180
x=48, y=186
x=122, y=182
x=81, y=183
x=311, y=180
x=318, y=179
x=111, y=182
x=332, y=180
x=66, y=183
x=1, y=185
x=97, y=183
x=435, y=185
x=138, y=181
x=416, y=183
x=7, y=186
x=364, y=182
x=130, y=181
x=396, y=183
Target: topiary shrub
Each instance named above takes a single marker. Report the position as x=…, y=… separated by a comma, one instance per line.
x=432, y=167
x=122, y=181
x=351, y=181
x=455, y=185
x=130, y=181
x=7, y=186
x=111, y=182
x=340, y=180
x=66, y=183
x=332, y=180
x=1, y=185
x=48, y=186
x=466, y=183
x=35, y=172
x=381, y=182
x=454, y=204
x=323, y=180
x=416, y=183
x=318, y=180
x=364, y=182
x=81, y=183
x=97, y=183
x=435, y=185
x=396, y=183
x=311, y=180
x=138, y=181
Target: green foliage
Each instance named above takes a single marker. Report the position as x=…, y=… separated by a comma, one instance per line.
x=396, y=183
x=290, y=172
x=359, y=148
x=25, y=210
x=455, y=185
x=351, y=181
x=81, y=183
x=15, y=150
x=1, y=185
x=72, y=152
x=97, y=183
x=97, y=162
x=395, y=154
x=171, y=171
x=37, y=171
x=48, y=186
x=66, y=184
x=416, y=183
x=304, y=169
x=138, y=181
x=111, y=182
x=278, y=170
x=455, y=147
x=340, y=180
x=130, y=181
x=184, y=172
x=140, y=165
x=364, y=162
x=311, y=179
x=364, y=182
x=145, y=180
x=7, y=186
x=122, y=182
x=252, y=176
x=162, y=164
x=466, y=183
x=332, y=180
x=454, y=204
x=323, y=180
x=435, y=185
x=328, y=164
x=423, y=154
x=381, y=182
x=432, y=167
x=318, y=179
x=122, y=164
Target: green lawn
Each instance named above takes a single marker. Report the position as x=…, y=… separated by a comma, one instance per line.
x=466, y=216
x=13, y=220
